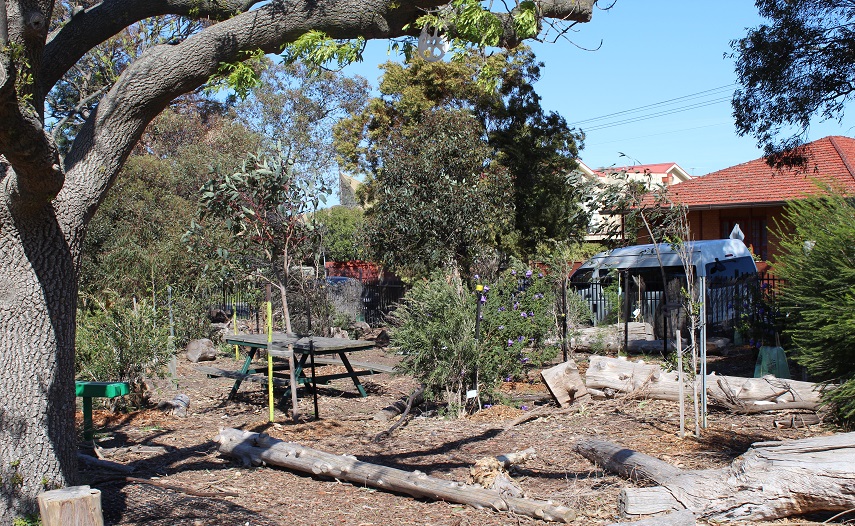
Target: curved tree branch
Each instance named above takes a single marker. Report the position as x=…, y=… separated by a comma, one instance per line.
x=164, y=72
x=88, y=28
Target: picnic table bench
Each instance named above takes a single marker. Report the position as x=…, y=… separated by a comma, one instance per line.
x=90, y=390
x=308, y=352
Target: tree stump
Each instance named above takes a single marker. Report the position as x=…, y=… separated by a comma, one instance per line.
x=73, y=506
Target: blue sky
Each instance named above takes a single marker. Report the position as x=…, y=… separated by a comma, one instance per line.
x=651, y=51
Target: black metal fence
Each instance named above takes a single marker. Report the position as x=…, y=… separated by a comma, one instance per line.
x=370, y=300
x=744, y=305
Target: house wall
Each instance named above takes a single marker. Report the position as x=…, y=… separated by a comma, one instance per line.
x=708, y=224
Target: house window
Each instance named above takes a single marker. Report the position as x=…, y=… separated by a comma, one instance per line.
x=756, y=234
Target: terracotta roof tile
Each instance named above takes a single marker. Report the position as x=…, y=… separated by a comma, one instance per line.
x=830, y=159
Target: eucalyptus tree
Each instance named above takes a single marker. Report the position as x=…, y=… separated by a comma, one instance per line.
x=49, y=194
x=795, y=66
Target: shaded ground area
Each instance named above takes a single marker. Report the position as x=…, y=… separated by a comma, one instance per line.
x=209, y=489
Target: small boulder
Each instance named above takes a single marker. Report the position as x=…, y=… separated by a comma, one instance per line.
x=338, y=332
x=202, y=350
x=218, y=315
x=382, y=339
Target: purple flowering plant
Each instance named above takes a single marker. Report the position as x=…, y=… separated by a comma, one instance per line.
x=518, y=318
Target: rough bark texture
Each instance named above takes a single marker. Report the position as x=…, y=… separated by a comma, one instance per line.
x=678, y=518
x=48, y=201
x=254, y=448
x=771, y=480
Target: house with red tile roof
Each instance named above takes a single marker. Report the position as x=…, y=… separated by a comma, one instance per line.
x=753, y=194
x=652, y=175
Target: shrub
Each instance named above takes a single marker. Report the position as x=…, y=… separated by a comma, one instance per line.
x=517, y=317
x=818, y=264
x=434, y=329
x=117, y=342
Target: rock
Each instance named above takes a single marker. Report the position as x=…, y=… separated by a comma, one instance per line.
x=177, y=406
x=338, y=332
x=218, y=315
x=361, y=327
x=382, y=339
x=202, y=350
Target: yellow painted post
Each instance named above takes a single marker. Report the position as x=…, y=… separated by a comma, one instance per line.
x=234, y=329
x=269, y=356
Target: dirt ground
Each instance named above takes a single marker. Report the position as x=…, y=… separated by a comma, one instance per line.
x=189, y=482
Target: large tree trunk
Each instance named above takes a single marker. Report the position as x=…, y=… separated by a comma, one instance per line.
x=47, y=200
x=771, y=480
x=37, y=401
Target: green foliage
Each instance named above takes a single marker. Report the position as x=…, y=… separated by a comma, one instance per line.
x=132, y=246
x=434, y=330
x=518, y=315
x=795, y=66
x=525, y=19
x=30, y=520
x=241, y=76
x=120, y=342
x=476, y=24
x=263, y=206
x=298, y=108
x=537, y=148
x=343, y=233
x=318, y=50
x=441, y=200
x=818, y=264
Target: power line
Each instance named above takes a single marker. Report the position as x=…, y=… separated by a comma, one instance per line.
x=656, y=114
x=668, y=102
x=658, y=134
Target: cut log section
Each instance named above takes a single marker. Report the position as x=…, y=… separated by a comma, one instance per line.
x=254, y=448
x=78, y=505
x=770, y=481
x=564, y=382
x=637, y=379
x=678, y=518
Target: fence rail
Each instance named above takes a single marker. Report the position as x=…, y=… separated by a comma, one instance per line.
x=372, y=302
x=732, y=304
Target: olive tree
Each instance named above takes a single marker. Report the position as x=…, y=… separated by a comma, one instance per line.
x=50, y=194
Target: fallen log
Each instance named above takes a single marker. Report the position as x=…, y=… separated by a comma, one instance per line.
x=397, y=407
x=254, y=448
x=678, y=518
x=641, y=380
x=625, y=462
x=609, y=338
x=771, y=480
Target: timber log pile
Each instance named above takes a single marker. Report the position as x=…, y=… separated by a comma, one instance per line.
x=770, y=481
x=607, y=377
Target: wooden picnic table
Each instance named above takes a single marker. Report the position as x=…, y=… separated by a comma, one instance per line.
x=308, y=352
